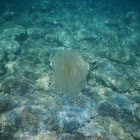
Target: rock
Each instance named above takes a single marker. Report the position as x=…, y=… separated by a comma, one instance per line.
x=70, y=118
x=2, y=53
x=118, y=83
x=90, y=132
x=2, y=20
x=11, y=67
x=87, y=35
x=46, y=136
x=10, y=46
x=125, y=105
x=115, y=128
x=110, y=77
x=6, y=104
x=17, y=85
x=92, y=82
x=35, y=32
x=8, y=15
x=17, y=33
x=29, y=118
x=119, y=56
x=7, y=130
x=65, y=38
x=107, y=108
x=135, y=81
x=2, y=70
x=43, y=82
x=97, y=93
x=131, y=17
x=134, y=96
x=19, y=135
x=36, y=53
x=138, y=115
x=133, y=128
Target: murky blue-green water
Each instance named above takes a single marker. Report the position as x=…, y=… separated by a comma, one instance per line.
x=70, y=70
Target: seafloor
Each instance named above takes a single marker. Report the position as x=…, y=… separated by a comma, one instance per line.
x=105, y=33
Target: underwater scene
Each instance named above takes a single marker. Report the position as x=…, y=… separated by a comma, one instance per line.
x=69, y=69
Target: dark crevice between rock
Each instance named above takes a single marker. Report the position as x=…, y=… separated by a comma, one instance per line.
x=21, y=37
x=134, y=136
